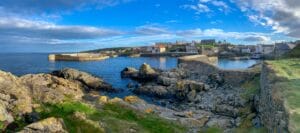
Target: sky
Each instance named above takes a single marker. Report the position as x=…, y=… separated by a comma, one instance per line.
x=76, y=25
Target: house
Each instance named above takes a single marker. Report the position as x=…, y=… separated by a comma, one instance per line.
x=245, y=50
x=208, y=41
x=191, y=48
x=166, y=44
x=282, y=48
x=181, y=42
x=265, y=49
x=237, y=48
x=158, y=49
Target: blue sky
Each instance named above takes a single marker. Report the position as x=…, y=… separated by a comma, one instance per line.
x=70, y=26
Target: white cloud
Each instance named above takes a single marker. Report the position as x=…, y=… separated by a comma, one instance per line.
x=150, y=30
x=204, y=6
x=204, y=1
x=199, y=8
x=281, y=15
x=220, y=34
x=223, y=6
x=256, y=39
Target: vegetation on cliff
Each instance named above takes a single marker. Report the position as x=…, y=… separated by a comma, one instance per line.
x=112, y=116
x=251, y=88
x=287, y=75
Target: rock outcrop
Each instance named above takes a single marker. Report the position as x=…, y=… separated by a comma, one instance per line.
x=91, y=82
x=47, y=88
x=20, y=95
x=207, y=99
x=154, y=91
x=15, y=97
x=129, y=72
x=49, y=125
x=145, y=73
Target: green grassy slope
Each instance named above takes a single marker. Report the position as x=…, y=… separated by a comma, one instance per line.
x=115, y=118
x=288, y=70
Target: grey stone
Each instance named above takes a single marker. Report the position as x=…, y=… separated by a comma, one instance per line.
x=49, y=125
x=86, y=79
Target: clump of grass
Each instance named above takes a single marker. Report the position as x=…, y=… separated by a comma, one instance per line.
x=251, y=130
x=148, y=122
x=66, y=111
x=212, y=130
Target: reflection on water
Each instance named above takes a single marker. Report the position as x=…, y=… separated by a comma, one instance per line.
x=236, y=64
x=162, y=62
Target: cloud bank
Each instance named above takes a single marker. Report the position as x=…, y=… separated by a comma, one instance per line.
x=54, y=6
x=281, y=15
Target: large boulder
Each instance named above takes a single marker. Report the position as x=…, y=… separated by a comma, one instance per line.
x=14, y=96
x=46, y=88
x=175, y=73
x=216, y=79
x=49, y=125
x=5, y=116
x=147, y=73
x=166, y=81
x=86, y=79
x=153, y=90
x=129, y=72
x=187, y=89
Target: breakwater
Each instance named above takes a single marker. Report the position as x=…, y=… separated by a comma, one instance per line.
x=77, y=57
x=171, y=54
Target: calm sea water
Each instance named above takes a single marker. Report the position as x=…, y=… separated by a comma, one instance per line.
x=236, y=64
x=109, y=70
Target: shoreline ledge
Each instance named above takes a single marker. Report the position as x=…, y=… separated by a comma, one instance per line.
x=77, y=57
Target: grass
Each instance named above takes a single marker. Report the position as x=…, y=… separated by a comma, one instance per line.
x=147, y=122
x=212, y=130
x=114, y=118
x=288, y=71
x=251, y=130
x=251, y=87
x=206, y=46
x=66, y=111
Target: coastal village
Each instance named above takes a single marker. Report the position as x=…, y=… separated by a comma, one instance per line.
x=209, y=47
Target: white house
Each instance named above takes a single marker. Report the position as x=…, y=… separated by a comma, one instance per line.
x=246, y=50
x=265, y=49
x=158, y=49
x=191, y=48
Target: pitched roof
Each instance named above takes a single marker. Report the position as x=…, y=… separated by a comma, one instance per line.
x=285, y=46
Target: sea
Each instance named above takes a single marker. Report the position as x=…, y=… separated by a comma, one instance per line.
x=109, y=70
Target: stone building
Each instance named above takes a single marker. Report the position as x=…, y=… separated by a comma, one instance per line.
x=282, y=48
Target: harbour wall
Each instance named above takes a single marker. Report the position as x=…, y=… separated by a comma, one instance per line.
x=76, y=57
x=203, y=65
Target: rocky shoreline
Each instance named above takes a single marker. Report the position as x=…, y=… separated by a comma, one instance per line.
x=198, y=104
x=204, y=102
